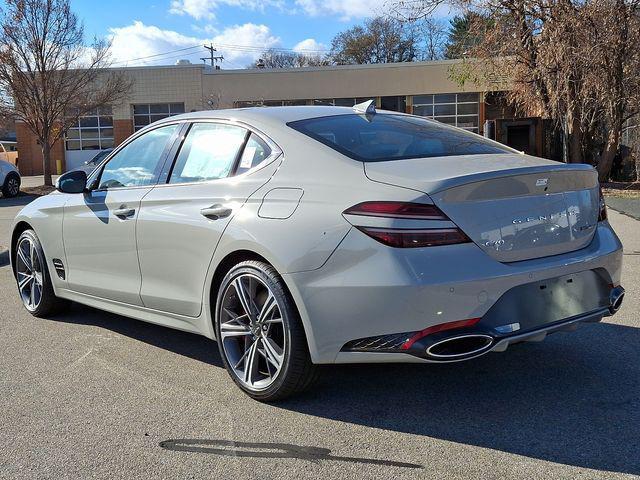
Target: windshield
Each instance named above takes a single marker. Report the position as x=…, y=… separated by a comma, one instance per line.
x=382, y=137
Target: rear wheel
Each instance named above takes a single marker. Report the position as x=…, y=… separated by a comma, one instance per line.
x=32, y=275
x=11, y=186
x=260, y=334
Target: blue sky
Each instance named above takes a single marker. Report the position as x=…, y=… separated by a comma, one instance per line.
x=239, y=28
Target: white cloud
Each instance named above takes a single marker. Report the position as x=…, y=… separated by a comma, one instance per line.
x=309, y=45
x=240, y=45
x=139, y=40
x=345, y=9
x=196, y=8
x=243, y=44
x=205, y=9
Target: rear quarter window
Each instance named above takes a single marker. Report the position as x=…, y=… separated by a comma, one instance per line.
x=383, y=137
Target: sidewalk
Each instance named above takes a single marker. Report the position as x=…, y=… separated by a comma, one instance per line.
x=36, y=181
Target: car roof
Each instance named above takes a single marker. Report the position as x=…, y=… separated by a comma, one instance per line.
x=270, y=115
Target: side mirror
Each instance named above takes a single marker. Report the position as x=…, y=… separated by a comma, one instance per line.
x=72, y=182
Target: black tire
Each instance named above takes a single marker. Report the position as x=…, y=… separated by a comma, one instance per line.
x=8, y=188
x=49, y=304
x=297, y=372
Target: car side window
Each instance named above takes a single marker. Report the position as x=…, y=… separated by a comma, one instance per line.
x=254, y=153
x=209, y=151
x=139, y=162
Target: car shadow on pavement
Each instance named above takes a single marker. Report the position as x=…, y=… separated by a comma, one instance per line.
x=183, y=343
x=573, y=399
x=19, y=201
x=4, y=258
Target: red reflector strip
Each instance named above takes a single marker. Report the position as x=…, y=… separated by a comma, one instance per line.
x=403, y=238
x=416, y=211
x=438, y=328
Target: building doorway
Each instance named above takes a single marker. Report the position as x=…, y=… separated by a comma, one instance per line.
x=520, y=134
x=518, y=137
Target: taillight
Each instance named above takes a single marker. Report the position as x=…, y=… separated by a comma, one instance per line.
x=415, y=211
x=403, y=237
x=602, y=212
x=428, y=237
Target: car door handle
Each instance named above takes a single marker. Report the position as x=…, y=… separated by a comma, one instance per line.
x=215, y=212
x=124, y=212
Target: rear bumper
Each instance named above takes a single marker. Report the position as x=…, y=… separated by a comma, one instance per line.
x=366, y=289
x=538, y=335
x=498, y=344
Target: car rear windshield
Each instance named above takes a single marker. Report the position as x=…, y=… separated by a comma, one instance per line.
x=382, y=137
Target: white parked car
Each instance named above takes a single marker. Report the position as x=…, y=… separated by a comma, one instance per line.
x=299, y=236
x=91, y=164
x=9, y=179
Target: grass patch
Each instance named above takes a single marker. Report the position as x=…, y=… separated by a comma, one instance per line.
x=37, y=191
x=621, y=189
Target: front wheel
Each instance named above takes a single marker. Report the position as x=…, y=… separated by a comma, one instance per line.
x=32, y=275
x=260, y=334
x=11, y=186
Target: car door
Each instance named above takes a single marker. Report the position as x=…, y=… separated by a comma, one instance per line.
x=181, y=221
x=99, y=226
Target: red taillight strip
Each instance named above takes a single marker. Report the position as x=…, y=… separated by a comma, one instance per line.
x=415, y=238
x=438, y=328
x=404, y=237
x=407, y=210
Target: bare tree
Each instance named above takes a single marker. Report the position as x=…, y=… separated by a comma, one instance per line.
x=48, y=76
x=7, y=125
x=432, y=37
x=214, y=100
x=614, y=26
x=274, y=58
x=574, y=61
x=379, y=40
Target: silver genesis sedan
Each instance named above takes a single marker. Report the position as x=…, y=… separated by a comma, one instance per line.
x=300, y=236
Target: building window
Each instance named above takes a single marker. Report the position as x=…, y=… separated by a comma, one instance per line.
x=341, y=102
x=248, y=103
x=394, y=103
x=93, y=131
x=268, y=103
x=146, y=113
x=338, y=102
x=460, y=110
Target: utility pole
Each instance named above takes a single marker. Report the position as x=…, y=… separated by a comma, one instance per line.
x=213, y=59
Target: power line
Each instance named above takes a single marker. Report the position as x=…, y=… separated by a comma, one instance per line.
x=179, y=56
x=212, y=58
x=262, y=49
x=158, y=54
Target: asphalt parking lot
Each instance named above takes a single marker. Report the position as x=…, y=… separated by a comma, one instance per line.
x=94, y=395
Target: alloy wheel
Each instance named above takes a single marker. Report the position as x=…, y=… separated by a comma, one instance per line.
x=252, y=332
x=13, y=187
x=29, y=273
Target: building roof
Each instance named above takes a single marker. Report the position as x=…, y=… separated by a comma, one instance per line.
x=328, y=68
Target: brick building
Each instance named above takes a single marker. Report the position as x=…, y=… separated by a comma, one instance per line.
x=421, y=88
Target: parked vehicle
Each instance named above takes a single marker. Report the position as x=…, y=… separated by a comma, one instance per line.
x=91, y=164
x=9, y=179
x=299, y=236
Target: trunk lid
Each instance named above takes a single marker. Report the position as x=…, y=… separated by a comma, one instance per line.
x=514, y=207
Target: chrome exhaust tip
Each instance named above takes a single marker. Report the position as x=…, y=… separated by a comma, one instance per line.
x=615, y=299
x=462, y=346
